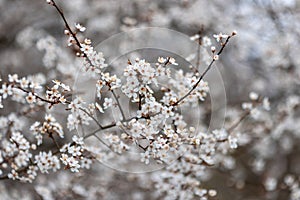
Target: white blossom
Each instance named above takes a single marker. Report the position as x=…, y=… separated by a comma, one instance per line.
x=80, y=27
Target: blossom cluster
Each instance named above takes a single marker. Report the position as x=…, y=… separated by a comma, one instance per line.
x=49, y=127
x=158, y=129
x=73, y=155
x=70, y=133
x=16, y=150
x=22, y=89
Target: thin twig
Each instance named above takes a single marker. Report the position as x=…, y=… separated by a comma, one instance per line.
x=140, y=102
x=203, y=74
x=59, y=10
x=98, y=138
x=118, y=104
x=107, y=127
x=91, y=116
x=234, y=125
x=54, y=140
x=198, y=50
x=99, y=129
x=38, y=97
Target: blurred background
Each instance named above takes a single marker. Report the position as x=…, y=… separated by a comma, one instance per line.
x=264, y=57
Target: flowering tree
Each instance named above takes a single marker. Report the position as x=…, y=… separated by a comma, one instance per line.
x=142, y=118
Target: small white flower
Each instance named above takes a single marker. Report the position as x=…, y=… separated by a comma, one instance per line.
x=233, y=142
x=88, y=49
x=173, y=61
x=167, y=111
x=86, y=163
x=213, y=49
x=56, y=82
x=206, y=41
x=212, y=193
x=74, y=150
x=161, y=60
x=247, y=106
x=72, y=122
x=13, y=175
x=46, y=161
x=6, y=91
x=289, y=180
x=64, y=159
x=64, y=148
x=39, y=139
x=80, y=27
x=65, y=87
x=13, y=78
x=107, y=103
x=78, y=140
x=99, y=85
x=270, y=184
x=71, y=40
x=266, y=104
x=35, y=85
x=49, y=118
x=66, y=32
x=253, y=96
x=87, y=41
x=33, y=146
x=74, y=164
x=220, y=36
x=195, y=37
x=30, y=98
x=145, y=157
x=24, y=83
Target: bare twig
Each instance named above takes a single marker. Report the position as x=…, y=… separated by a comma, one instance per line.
x=98, y=138
x=118, y=104
x=92, y=117
x=203, y=74
x=235, y=124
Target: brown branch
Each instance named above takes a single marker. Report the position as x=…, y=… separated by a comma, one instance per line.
x=60, y=11
x=38, y=97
